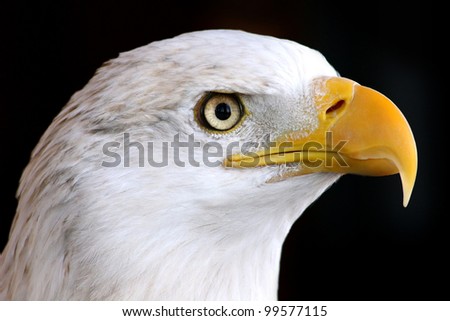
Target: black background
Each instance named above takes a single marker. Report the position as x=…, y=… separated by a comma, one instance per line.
x=356, y=242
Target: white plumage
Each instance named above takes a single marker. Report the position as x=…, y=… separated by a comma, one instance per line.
x=84, y=231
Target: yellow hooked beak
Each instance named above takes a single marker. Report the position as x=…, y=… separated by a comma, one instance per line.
x=360, y=131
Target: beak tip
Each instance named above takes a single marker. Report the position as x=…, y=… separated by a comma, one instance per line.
x=407, y=185
x=406, y=199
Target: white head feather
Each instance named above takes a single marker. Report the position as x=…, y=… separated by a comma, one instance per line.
x=86, y=231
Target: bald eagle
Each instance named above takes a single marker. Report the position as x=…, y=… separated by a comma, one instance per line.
x=178, y=170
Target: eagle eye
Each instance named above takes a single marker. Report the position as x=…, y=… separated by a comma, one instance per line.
x=220, y=112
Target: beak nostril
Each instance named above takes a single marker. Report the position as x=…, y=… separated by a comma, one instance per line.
x=336, y=106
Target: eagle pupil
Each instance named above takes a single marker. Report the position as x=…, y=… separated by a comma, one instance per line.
x=223, y=111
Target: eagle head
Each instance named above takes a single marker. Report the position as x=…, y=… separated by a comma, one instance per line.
x=178, y=170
